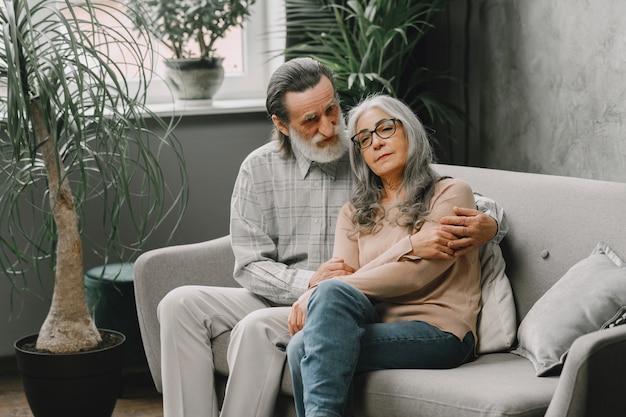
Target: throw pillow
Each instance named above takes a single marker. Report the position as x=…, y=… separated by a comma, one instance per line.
x=497, y=322
x=585, y=299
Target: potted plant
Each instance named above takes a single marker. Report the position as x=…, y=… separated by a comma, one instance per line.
x=372, y=46
x=189, y=30
x=74, y=129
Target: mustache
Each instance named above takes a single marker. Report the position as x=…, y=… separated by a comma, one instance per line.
x=339, y=132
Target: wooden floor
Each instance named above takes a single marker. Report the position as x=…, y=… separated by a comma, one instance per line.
x=138, y=397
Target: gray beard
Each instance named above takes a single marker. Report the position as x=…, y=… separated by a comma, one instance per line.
x=329, y=153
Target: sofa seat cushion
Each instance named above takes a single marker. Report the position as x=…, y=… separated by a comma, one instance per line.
x=498, y=384
x=494, y=385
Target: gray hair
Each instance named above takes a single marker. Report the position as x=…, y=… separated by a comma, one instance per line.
x=296, y=75
x=419, y=177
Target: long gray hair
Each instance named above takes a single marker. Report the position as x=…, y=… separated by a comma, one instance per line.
x=418, y=176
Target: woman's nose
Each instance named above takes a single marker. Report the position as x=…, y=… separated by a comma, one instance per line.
x=377, y=142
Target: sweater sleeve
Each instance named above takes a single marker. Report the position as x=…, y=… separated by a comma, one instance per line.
x=394, y=274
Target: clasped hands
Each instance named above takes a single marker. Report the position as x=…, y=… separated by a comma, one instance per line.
x=332, y=268
x=456, y=235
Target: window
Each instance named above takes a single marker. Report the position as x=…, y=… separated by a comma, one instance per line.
x=250, y=55
x=262, y=38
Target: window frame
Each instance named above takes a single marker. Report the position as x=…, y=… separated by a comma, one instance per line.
x=264, y=37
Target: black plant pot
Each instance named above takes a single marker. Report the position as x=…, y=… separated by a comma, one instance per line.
x=71, y=385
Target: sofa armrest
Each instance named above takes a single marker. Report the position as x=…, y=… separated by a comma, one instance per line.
x=594, y=376
x=159, y=271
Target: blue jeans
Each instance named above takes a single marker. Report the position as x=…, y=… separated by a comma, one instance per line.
x=344, y=336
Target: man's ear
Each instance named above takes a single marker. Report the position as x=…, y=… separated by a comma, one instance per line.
x=280, y=125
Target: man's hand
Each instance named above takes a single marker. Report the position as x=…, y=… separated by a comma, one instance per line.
x=472, y=228
x=432, y=244
x=297, y=315
x=330, y=269
x=334, y=267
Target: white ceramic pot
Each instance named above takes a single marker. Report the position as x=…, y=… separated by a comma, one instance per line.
x=194, y=79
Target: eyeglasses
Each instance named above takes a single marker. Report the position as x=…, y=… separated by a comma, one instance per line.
x=385, y=129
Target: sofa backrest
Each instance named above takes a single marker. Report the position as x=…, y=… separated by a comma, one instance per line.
x=554, y=222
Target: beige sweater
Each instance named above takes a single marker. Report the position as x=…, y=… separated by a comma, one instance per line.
x=445, y=294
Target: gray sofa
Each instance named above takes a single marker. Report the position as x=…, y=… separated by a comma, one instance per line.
x=554, y=223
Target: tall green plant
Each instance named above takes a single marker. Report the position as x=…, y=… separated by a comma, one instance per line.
x=371, y=45
x=73, y=128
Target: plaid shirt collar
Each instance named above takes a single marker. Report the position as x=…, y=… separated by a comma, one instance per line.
x=305, y=164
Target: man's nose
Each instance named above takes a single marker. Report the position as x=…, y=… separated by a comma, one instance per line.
x=327, y=126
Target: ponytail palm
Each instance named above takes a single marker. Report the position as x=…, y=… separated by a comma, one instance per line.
x=73, y=129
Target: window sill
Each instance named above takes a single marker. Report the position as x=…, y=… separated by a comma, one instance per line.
x=181, y=108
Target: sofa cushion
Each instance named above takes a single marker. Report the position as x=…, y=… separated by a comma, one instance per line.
x=585, y=299
x=494, y=385
x=219, y=347
x=497, y=322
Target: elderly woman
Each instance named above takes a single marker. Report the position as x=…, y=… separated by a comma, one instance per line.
x=398, y=309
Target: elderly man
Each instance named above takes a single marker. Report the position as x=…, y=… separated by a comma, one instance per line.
x=283, y=212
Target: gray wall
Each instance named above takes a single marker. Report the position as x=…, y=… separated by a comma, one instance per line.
x=214, y=147
x=546, y=85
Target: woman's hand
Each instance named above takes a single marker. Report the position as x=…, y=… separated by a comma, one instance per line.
x=297, y=315
x=432, y=243
x=334, y=267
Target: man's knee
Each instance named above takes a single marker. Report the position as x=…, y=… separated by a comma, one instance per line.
x=196, y=304
x=267, y=323
x=170, y=306
x=270, y=317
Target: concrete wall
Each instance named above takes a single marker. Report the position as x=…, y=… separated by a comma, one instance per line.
x=551, y=86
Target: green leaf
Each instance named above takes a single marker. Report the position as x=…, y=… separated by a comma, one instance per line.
x=111, y=145
x=370, y=44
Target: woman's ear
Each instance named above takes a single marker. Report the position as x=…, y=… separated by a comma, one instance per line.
x=280, y=125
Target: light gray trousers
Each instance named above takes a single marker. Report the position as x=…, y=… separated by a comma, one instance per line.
x=190, y=317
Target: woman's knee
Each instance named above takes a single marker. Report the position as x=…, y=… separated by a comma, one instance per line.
x=335, y=291
x=335, y=288
x=336, y=297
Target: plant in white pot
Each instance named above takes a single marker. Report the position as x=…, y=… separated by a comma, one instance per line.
x=74, y=129
x=190, y=29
